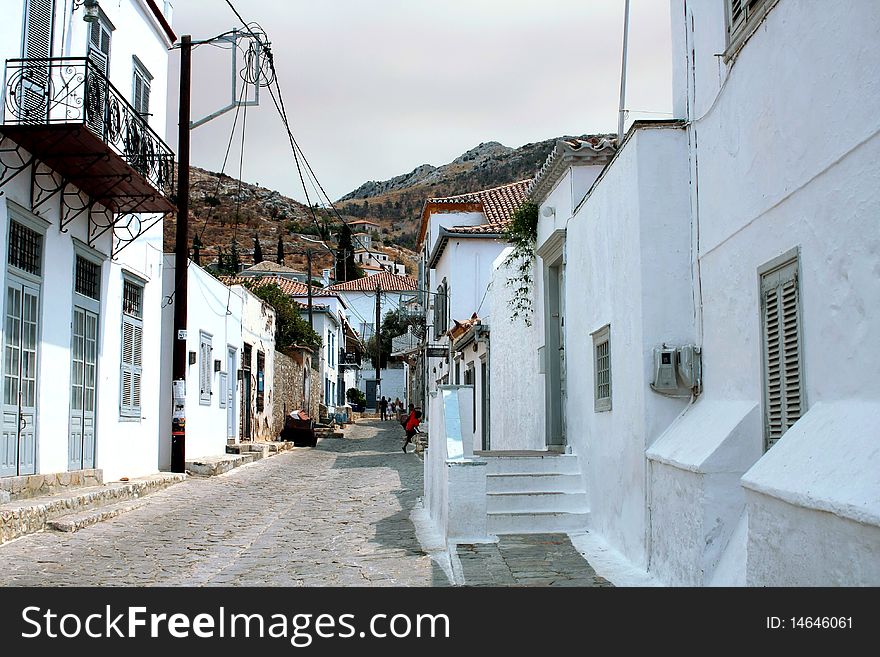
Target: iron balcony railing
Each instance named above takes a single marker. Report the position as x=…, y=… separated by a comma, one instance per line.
x=73, y=90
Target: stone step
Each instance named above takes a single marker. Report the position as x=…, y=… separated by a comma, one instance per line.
x=546, y=462
x=536, y=523
x=536, y=502
x=40, y=485
x=542, y=482
x=76, y=521
x=211, y=466
x=28, y=516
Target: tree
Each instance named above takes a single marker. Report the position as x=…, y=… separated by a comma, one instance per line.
x=234, y=262
x=290, y=328
x=258, y=250
x=280, y=259
x=346, y=267
x=394, y=323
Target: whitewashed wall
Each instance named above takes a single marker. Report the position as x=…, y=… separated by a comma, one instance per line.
x=517, y=410
x=788, y=134
x=217, y=310
x=257, y=329
x=627, y=264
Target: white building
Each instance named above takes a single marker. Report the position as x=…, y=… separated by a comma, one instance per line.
x=460, y=238
x=257, y=366
x=214, y=345
x=85, y=178
x=703, y=300
x=375, y=261
x=359, y=297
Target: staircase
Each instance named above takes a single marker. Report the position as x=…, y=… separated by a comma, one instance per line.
x=534, y=493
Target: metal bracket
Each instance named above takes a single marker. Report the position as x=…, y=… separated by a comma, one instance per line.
x=233, y=38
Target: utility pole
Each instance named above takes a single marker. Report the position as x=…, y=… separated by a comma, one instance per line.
x=622, y=111
x=309, y=283
x=181, y=260
x=378, y=341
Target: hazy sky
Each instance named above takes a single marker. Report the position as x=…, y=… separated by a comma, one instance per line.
x=374, y=88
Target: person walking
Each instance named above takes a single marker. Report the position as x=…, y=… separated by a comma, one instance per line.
x=383, y=409
x=412, y=425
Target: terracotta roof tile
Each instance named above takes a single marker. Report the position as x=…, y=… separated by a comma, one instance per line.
x=386, y=280
x=288, y=286
x=269, y=266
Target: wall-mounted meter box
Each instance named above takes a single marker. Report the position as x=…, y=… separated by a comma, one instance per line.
x=665, y=364
x=690, y=371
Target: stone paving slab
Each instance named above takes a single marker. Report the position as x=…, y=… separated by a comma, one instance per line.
x=526, y=560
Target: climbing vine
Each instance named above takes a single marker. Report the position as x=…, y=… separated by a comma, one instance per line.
x=522, y=233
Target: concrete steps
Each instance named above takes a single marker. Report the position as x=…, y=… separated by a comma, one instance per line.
x=27, y=516
x=534, y=492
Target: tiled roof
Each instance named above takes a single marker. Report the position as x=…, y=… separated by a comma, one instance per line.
x=288, y=286
x=497, y=203
x=460, y=328
x=385, y=279
x=269, y=266
x=594, y=149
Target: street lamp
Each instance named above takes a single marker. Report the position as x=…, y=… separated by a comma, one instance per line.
x=92, y=12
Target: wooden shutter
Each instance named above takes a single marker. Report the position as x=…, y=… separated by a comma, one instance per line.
x=205, y=365
x=141, y=91
x=38, y=40
x=783, y=376
x=131, y=367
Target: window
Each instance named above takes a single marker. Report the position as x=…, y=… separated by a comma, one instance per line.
x=783, y=380
x=206, y=351
x=261, y=374
x=131, y=364
x=25, y=248
x=39, y=19
x=140, y=89
x=741, y=16
x=441, y=316
x=602, y=368
x=87, y=279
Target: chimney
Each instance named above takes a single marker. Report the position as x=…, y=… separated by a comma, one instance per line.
x=325, y=277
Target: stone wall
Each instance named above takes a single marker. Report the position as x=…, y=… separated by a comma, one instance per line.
x=290, y=384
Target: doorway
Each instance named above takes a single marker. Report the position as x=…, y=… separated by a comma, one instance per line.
x=18, y=440
x=554, y=336
x=231, y=390
x=83, y=370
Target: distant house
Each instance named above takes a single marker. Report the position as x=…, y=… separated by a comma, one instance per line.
x=360, y=297
x=460, y=238
x=273, y=269
x=375, y=261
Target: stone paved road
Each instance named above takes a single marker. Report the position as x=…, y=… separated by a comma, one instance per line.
x=526, y=560
x=334, y=515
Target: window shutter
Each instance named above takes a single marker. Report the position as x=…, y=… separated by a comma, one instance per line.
x=38, y=44
x=130, y=367
x=137, y=338
x=205, y=372
x=783, y=384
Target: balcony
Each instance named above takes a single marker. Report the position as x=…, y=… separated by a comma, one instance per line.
x=77, y=134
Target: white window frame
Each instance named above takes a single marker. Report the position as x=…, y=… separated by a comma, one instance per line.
x=135, y=325
x=206, y=367
x=600, y=338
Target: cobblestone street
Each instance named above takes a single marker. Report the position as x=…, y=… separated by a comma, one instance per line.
x=335, y=515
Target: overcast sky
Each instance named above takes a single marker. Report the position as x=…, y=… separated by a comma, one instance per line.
x=374, y=88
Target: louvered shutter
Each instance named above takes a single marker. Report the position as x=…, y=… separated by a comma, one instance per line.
x=131, y=367
x=783, y=375
x=38, y=42
x=205, y=369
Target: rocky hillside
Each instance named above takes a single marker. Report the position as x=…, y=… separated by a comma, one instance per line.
x=396, y=204
x=220, y=213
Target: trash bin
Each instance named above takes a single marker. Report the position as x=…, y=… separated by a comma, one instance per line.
x=300, y=429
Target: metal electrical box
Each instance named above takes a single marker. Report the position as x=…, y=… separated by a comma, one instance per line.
x=665, y=362
x=677, y=370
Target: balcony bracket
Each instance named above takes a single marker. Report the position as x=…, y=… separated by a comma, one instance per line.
x=13, y=160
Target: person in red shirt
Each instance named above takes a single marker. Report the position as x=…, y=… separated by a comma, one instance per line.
x=412, y=425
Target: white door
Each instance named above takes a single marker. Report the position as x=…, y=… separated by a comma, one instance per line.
x=562, y=373
x=18, y=439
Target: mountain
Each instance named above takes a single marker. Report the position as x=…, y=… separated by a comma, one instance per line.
x=220, y=213
x=396, y=204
